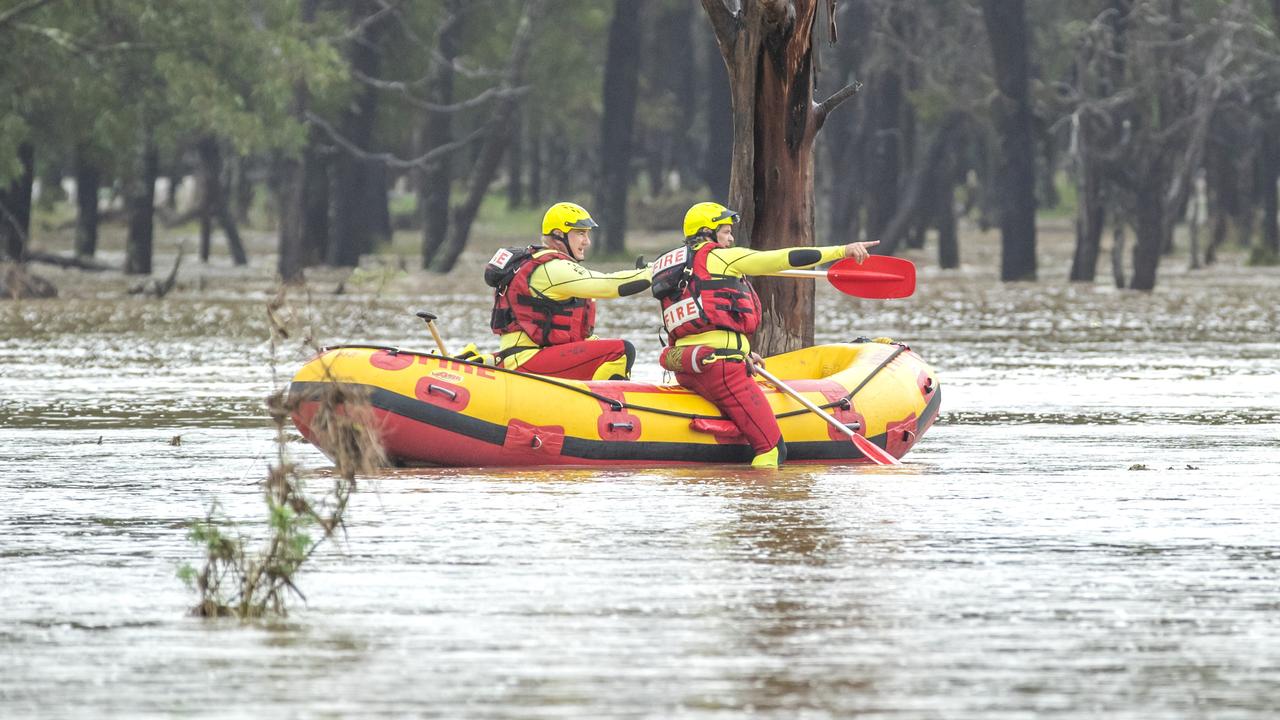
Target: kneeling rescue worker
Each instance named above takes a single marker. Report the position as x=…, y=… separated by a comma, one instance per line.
x=544, y=303
x=708, y=310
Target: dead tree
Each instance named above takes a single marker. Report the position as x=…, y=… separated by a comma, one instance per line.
x=1016, y=177
x=768, y=49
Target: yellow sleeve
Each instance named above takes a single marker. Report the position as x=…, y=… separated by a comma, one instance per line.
x=746, y=262
x=564, y=280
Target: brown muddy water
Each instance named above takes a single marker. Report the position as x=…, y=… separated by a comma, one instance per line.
x=1089, y=530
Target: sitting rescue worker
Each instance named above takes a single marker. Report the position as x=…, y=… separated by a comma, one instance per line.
x=708, y=310
x=544, y=303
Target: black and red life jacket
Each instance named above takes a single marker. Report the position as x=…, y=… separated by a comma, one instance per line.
x=696, y=301
x=516, y=306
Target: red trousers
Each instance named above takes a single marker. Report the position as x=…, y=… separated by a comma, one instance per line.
x=727, y=384
x=603, y=359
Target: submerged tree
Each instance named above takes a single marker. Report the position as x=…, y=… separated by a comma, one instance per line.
x=768, y=49
x=1009, y=35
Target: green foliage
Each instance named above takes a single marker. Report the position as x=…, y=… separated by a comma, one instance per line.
x=235, y=581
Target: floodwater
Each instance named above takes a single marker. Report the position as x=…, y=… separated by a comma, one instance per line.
x=1088, y=531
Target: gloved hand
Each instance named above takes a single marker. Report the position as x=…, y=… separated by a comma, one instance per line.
x=472, y=354
x=754, y=360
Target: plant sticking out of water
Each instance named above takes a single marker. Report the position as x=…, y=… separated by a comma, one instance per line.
x=237, y=580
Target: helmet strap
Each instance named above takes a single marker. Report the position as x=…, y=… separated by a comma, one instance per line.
x=560, y=237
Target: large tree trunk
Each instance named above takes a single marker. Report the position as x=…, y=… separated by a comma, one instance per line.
x=436, y=180
x=497, y=134
x=768, y=49
x=1007, y=30
x=140, y=199
x=88, y=181
x=15, y=205
x=621, y=74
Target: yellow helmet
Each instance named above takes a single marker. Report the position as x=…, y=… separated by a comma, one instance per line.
x=707, y=215
x=566, y=216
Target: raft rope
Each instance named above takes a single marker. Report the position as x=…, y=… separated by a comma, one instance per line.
x=618, y=405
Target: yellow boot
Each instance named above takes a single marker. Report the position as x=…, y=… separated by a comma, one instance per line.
x=766, y=460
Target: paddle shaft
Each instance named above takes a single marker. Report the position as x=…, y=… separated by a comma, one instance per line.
x=868, y=448
x=431, y=325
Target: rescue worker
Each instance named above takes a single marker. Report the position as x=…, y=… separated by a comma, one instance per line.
x=544, y=303
x=708, y=310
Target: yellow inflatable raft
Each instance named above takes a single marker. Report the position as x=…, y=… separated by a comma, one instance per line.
x=433, y=410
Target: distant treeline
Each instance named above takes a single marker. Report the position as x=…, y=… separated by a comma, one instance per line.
x=1157, y=113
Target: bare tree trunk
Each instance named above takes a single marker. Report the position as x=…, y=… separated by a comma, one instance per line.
x=1269, y=159
x=768, y=49
x=355, y=222
x=435, y=182
x=1150, y=229
x=88, y=181
x=496, y=136
x=215, y=201
x=15, y=205
x=292, y=173
x=140, y=198
x=241, y=189
x=515, y=164
x=884, y=162
x=1007, y=31
x=536, y=194
x=1090, y=210
x=316, y=201
x=1117, y=255
x=927, y=177
x=621, y=76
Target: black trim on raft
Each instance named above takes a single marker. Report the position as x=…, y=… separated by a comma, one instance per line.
x=617, y=404
x=583, y=448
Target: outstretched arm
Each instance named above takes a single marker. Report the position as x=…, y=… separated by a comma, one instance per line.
x=744, y=261
x=564, y=280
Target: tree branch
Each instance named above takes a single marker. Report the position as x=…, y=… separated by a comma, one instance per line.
x=388, y=159
x=403, y=89
x=22, y=9
x=824, y=108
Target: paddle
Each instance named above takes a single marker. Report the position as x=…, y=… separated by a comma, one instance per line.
x=879, y=276
x=873, y=452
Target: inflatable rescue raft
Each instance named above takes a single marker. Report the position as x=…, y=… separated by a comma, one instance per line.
x=433, y=410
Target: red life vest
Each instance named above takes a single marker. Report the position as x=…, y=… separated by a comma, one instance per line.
x=516, y=306
x=705, y=302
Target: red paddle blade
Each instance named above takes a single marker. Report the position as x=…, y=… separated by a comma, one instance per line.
x=881, y=276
